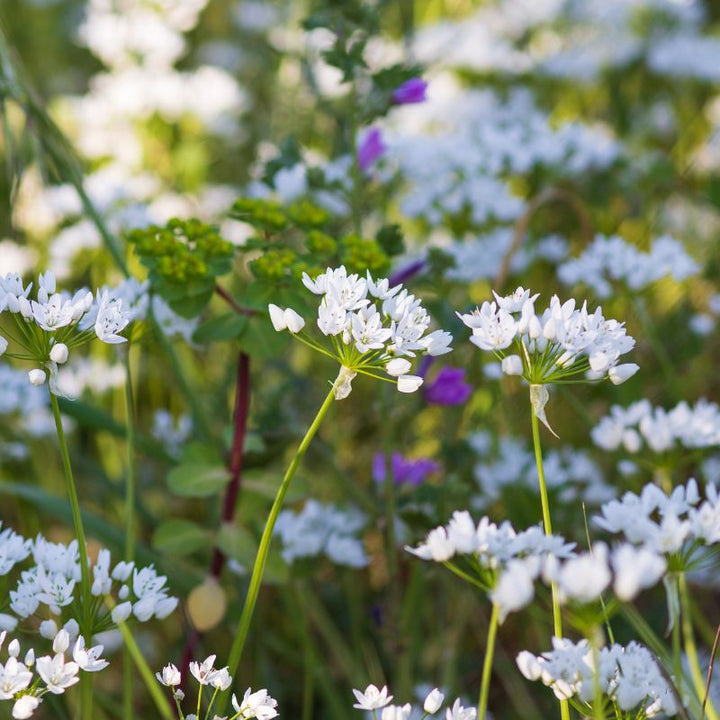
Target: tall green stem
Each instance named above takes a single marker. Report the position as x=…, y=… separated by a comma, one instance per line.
x=547, y=524
x=488, y=663
x=128, y=711
x=86, y=617
x=259, y=566
x=691, y=648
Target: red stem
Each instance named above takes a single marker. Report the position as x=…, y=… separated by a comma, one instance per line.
x=242, y=408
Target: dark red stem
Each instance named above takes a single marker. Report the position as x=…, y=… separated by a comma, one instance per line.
x=242, y=408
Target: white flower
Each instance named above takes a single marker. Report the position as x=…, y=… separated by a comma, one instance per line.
x=37, y=377
x=285, y=319
x=57, y=674
x=635, y=569
x=458, y=712
x=585, y=577
x=203, y=672
x=372, y=698
x=395, y=712
x=14, y=677
x=111, y=319
x=437, y=546
x=433, y=701
x=221, y=679
x=620, y=373
x=398, y=366
x=25, y=706
x=512, y=365
x=409, y=383
x=3, y=344
x=170, y=676
x=515, y=588
x=88, y=659
x=256, y=705
x=59, y=353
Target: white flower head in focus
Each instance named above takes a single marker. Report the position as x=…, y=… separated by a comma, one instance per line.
x=369, y=327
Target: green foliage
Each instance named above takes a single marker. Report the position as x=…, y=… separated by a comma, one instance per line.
x=184, y=258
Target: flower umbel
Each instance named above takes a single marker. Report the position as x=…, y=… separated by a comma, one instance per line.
x=372, y=328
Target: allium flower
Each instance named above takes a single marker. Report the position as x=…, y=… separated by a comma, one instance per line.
x=372, y=698
x=64, y=321
x=629, y=676
x=371, y=328
x=559, y=344
x=411, y=91
x=322, y=529
x=257, y=704
x=370, y=148
x=499, y=560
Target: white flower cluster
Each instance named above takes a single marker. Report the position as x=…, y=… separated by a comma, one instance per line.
x=640, y=424
x=482, y=257
x=569, y=472
x=64, y=321
x=459, y=162
x=25, y=681
x=612, y=259
x=372, y=327
x=503, y=562
x=320, y=528
x=628, y=675
x=679, y=524
x=374, y=698
x=256, y=704
x=54, y=580
x=562, y=341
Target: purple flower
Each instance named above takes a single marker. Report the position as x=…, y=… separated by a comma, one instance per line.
x=370, y=148
x=404, y=470
x=448, y=387
x=411, y=91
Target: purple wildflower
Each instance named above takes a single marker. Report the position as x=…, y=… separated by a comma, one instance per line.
x=411, y=91
x=403, y=470
x=370, y=148
x=448, y=387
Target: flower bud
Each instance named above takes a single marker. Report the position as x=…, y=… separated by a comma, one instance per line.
x=512, y=365
x=36, y=377
x=121, y=612
x=3, y=345
x=59, y=353
x=295, y=322
x=277, y=317
x=433, y=702
x=620, y=373
x=397, y=367
x=409, y=383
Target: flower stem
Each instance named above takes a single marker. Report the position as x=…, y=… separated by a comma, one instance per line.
x=547, y=524
x=128, y=692
x=488, y=663
x=86, y=619
x=691, y=648
x=264, y=548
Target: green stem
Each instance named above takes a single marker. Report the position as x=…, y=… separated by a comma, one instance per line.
x=128, y=691
x=86, y=618
x=691, y=648
x=547, y=524
x=488, y=663
x=259, y=566
x=85, y=625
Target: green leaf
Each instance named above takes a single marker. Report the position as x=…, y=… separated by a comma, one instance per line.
x=237, y=543
x=197, y=479
x=180, y=537
x=261, y=340
x=224, y=327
